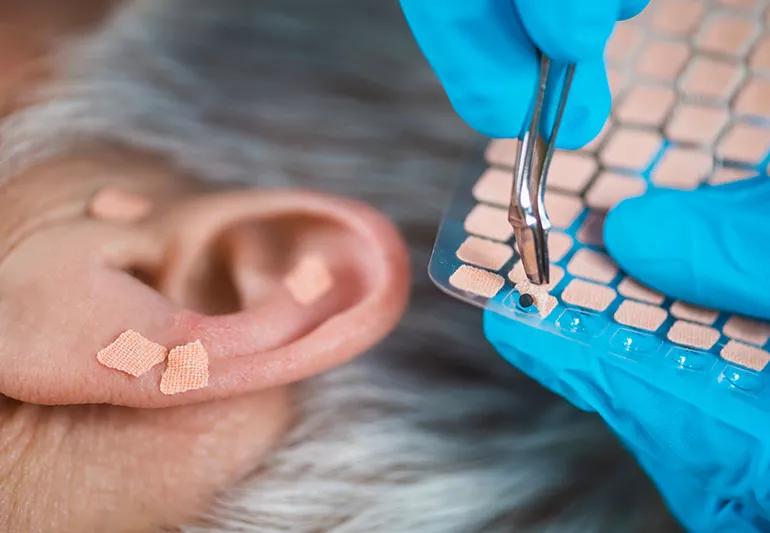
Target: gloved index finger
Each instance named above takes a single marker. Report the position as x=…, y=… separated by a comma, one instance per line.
x=570, y=31
x=482, y=56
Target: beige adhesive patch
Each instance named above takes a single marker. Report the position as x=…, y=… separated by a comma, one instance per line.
x=562, y=209
x=570, y=171
x=476, y=281
x=132, y=353
x=489, y=222
x=676, y=17
x=558, y=245
x=543, y=301
x=746, y=329
x=760, y=57
x=625, y=39
x=502, y=152
x=744, y=142
x=618, y=80
x=709, y=78
x=187, y=369
x=309, y=280
x=630, y=148
x=592, y=265
x=697, y=124
x=517, y=275
x=693, y=313
x=646, y=105
x=683, y=168
x=118, y=205
x=745, y=355
x=693, y=335
x=728, y=175
x=631, y=288
x=639, y=315
x=754, y=98
x=611, y=188
x=725, y=34
x=484, y=253
x=662, y=60
x=494, y=187
x=588, y=295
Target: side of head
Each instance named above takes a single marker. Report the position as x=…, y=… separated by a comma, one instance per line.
x=223, y=267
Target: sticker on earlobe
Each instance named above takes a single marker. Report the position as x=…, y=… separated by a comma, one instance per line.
x=187, y=369
x=309, y=280
x=132, y=353
x=118, y=205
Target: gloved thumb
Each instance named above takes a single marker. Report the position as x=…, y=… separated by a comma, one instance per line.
x=708, y=246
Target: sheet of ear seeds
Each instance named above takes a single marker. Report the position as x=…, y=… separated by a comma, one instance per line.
x=691, y=87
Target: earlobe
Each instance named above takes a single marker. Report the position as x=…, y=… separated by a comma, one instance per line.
x=277, y=286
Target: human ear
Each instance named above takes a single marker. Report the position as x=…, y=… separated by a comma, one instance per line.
x=215, y=267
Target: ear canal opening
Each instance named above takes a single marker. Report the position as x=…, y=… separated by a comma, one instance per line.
x=211, y=288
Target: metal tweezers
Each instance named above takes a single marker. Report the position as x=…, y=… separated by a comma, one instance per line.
x=527, y=212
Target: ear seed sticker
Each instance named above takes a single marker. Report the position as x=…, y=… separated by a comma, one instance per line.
x=309, y=280
x=187, y=369
x=119, y=206
x=132, y=353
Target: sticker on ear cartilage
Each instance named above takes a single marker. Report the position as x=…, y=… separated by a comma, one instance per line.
x=132, y=353
x=688, y=359
x=575, y=322
x=628, y=342
x=111, y=203
x=187, y=369
x=309, y=280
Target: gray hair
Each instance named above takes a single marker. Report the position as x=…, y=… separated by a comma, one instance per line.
x=430, y=431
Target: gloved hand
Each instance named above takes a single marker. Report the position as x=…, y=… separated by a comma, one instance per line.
x=710, y=248
x=483, y=51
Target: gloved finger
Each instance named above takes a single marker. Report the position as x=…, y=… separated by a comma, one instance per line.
x=482, y=56
x=631, y=8
x=588, y=106
x=708, y=246
x=666, y=417
x=569, y=31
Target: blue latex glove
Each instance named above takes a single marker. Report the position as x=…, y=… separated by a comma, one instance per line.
x=483, y=51
x=710, y=247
